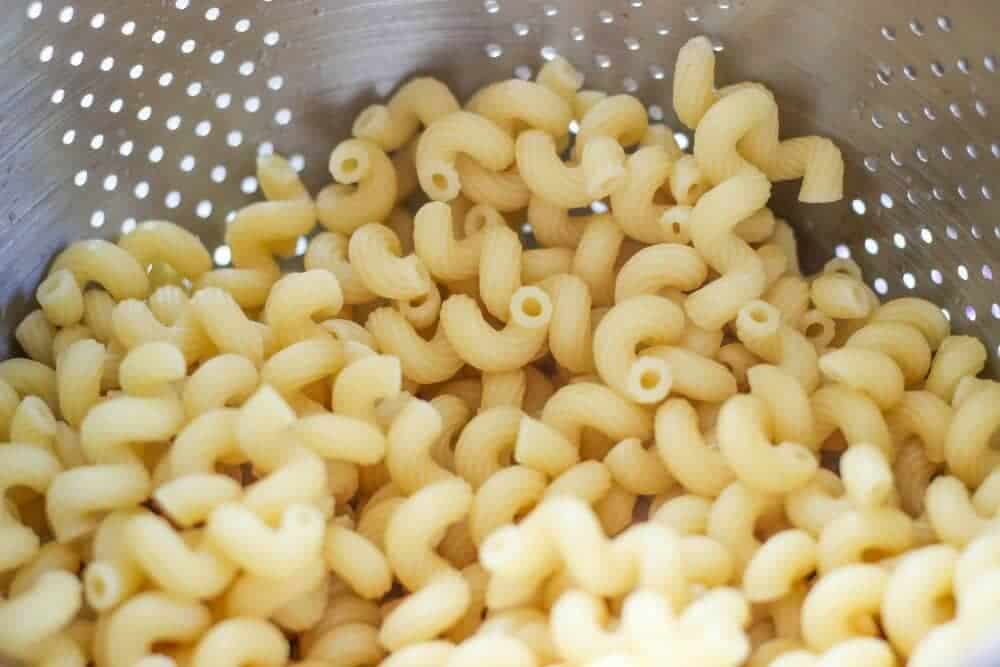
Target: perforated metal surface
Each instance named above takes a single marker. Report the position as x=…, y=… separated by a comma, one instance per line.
x=116, y=112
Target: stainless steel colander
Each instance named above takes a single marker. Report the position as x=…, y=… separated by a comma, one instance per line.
x=120, y=111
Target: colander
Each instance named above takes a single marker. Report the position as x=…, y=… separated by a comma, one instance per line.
x=122, y=111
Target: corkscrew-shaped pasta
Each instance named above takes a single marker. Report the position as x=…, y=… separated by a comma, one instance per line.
x=476, y=341
x=157, y=241
x=454, y=134
x=742, y=273
x=365, y=188
x=417, y=103
x=516, y=105
x=423, y=361
x=760, y=328
x=641, y=319
x=106, y=264
x=659, y=267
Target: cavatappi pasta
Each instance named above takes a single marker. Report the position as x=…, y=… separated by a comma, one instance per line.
x=643, y=438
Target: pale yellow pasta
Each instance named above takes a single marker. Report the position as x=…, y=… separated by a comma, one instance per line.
x=504, y=389
x=679, y=441
x=694, y=81
x=742, y=272
x=303, y=363
x=190, y=499
x=279, y=179
x=540, y=264
x=603, y=165
x=301, y=479
x=299, y=298
x=724, y=123
x=687, y=183
x=37, y=614
x=918, y=313
x=913, y=472
x=329, y=251
x=840, y=297
x=868, y=479
x=954, y=518
x=745, y=443
x=21, y=465
x=35, y=334
x=659, y=267
x=646, y=319
x=903, y=342
x=113, y=426
x=658, y=134
x=451, y=135
x=507, y=493
x=695, y=376
x=480, y=345
x=786, y=400
x=408, y=453
x=790, y=295
x=262, y=597
x=516, y=105
x=359, y=563
x=365, y=190
x=760, y=329
x=27, y=377
x=423, y=361
x=352, y=644
x=156, y=242
x=782, y=562
x=637, y=470
x=486, y=443
x=419, y=102
x=596, y=256
x=226, y=325
x=362, y=384
x=841, y=604
x=261, y=550
x=503, y=190
x=918, y=596
x=854, y=414
x=545, y=173
x=77, y=498
x=589, y=481
x=147, y=619
x=205, y=441
x=621, y=117
x=864, y=534
x=774, y=260
x=105, y=264
x=134, y=324
x=34, y=424
x=418, y=524
x=151, y=369
x=237, y=641
x=262, y=421
x=112, y=576
x=733, y=520
x=586, y=404
x=97, y=307
x=499, y=270
x=52, y=557
x=924, y=415
x=541, y=447
x=374, y=252
x=686, y=514
x=174, y=565
x=60, y=298
x=446, y=257
x=616, y=510
x=552, y=225
x=818, y=503
x=9, y=400
x=956, y=357
x=968, y=452
x=261, y=227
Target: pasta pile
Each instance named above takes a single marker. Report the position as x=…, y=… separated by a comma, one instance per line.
x=436, y=446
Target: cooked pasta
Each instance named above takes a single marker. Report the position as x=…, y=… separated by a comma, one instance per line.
x=581, y=407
